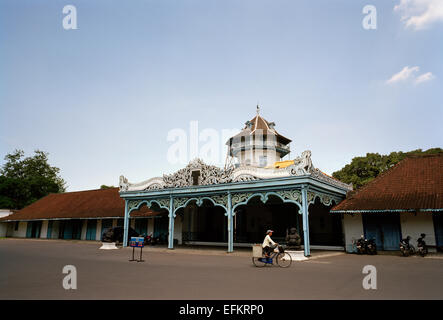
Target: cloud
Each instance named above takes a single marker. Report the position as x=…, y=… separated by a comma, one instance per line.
x=424, y=77
x=420, y=14
x=409, y=73
x=403, y=75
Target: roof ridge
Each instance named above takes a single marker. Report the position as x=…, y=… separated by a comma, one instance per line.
x=90, y=190
x=416, y=156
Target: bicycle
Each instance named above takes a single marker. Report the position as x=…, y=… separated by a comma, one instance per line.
x=283, y=259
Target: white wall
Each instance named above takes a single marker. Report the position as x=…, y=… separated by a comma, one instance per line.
x=55, y=229
x=413, y=225
x=84, y=226
x=3, y=229
x=352, y=228
x=4, y=225
x=21, y=232
x=98, y=233
x=253, y=155
x=44, y=229
x=150, y=226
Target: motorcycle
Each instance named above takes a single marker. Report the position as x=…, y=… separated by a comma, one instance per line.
x=406, y=248
x=421, y=245
x=371, y=247
x=366, y=246
x=151, y=240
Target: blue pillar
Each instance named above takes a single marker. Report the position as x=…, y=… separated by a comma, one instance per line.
x=304, y=195
x=126, y=225
x=171, y=223
x=230, y=225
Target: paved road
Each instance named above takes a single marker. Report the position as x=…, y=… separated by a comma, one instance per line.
x=32, y=269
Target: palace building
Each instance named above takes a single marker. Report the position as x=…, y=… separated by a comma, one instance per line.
x=257, y=190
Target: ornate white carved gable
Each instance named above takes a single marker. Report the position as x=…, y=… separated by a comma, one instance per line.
x=199, y=173
x=207, y=174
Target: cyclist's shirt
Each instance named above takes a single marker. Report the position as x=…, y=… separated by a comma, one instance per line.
x=268, y=241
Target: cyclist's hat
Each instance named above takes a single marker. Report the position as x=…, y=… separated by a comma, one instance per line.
x=269, y=231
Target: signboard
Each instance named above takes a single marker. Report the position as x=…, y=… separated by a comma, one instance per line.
x=137, y=242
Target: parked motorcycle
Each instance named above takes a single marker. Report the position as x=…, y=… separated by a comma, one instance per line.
x=422, y=248
x=366, y=246
x=371, y=247
x=406, y=248
x=360, y=245
x=151, y=240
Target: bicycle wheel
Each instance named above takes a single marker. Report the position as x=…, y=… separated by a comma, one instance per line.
x=284, y=260
x=258, y=262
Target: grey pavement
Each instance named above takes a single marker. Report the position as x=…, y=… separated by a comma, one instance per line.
x=32, y=269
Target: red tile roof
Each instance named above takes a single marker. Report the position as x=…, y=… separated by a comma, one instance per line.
x=415, y=183
x=82, y=204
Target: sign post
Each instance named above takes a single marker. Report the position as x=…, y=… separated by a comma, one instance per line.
x=137, y=242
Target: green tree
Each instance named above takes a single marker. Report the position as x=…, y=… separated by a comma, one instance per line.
x=103, y=186
x=361, y=170
x=24, y=180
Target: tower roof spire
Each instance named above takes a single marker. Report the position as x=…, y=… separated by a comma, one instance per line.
x=258, y=109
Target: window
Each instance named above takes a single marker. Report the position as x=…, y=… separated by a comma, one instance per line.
x=195, y=175
x=16, y=226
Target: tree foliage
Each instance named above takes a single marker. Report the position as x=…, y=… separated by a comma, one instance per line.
x=103, y=186
x=24, y=180
x=361, y=170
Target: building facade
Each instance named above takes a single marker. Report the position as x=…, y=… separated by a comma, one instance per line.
x=83, y=215
x=255, y=191
x=406, y=200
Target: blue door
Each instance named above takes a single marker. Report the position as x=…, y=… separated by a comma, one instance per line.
x=76, y=229
x=28, y=229
x=438, y=227
x=49, y=234
x=384, y=228
x=67, y=230
x=91, y=229
x=33, y=229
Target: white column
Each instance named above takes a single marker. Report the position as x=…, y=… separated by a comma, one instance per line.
x=305, y=213
x=171, y=224
x=84, y=227
x=98, y=233
x=44, y=229
x=151, y=226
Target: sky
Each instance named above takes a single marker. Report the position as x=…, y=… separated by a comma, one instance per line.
x=103, y=97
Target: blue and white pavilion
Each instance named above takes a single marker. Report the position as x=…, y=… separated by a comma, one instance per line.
x=256, y=191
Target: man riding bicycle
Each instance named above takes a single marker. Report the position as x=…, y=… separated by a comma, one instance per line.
x=268, y=244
